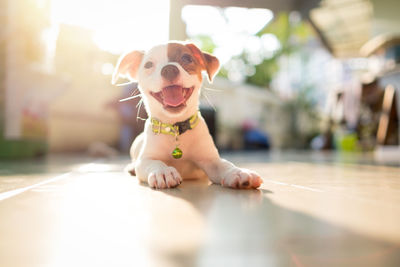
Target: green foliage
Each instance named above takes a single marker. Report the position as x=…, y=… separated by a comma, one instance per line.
x=223, y=72
x=264, y=72
x=280, y=27
x=206, y=43
x=291, y=36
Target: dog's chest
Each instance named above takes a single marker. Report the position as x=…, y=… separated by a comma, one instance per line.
x=187, y=168
x=163, y=145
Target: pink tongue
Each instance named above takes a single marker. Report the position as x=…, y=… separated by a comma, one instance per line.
x=173, y=95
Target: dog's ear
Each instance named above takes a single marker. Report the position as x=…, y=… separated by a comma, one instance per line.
x=208, y=61
x=128, y=65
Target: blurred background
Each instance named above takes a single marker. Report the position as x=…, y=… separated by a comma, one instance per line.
x=295, y=75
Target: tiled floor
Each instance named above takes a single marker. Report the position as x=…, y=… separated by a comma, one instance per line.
x=312, y=210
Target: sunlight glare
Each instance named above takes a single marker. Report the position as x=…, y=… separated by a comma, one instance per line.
x=247, y=20
x=95, y=167
x=270, y=42
x=231, y=29
x=118, y=25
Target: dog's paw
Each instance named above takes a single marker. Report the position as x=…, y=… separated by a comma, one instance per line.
x=241, y=179
x=164, y=178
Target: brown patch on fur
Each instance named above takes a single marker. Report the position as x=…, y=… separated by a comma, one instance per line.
x=179, y=53
x=207, y=61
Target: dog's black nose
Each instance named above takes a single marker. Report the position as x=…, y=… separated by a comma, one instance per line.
x=170, y=72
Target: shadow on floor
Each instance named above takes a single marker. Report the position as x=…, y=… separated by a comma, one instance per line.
x=246, y=229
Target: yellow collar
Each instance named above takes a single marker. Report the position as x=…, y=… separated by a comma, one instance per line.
x=174, y=129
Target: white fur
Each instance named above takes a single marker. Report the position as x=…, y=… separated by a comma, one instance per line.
x=150, y=80
x=151, y=153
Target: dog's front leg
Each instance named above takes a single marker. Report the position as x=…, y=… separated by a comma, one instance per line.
x=157, y=174
x=221, y=171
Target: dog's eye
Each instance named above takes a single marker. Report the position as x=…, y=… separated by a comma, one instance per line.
x=187, y=59
x=148, y=65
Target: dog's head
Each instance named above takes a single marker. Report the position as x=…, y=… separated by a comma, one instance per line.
x=169, y=77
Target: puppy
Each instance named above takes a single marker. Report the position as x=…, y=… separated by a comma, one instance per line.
x=176, y=143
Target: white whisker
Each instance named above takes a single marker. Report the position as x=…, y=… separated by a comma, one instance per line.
x=139, y=104
x=212, y=89
x=129, y=98
x=123, y=84
x=135, y=91
x=138, y=112
x=209, y=102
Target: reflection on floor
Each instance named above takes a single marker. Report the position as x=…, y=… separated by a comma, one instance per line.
x=71, y=211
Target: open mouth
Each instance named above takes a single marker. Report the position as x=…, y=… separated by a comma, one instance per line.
x=173, y=97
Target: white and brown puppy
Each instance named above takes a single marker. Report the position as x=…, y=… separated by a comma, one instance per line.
x=169, y=77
